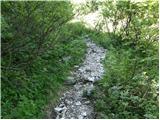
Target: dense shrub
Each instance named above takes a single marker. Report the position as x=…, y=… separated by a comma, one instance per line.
x=28, y=29
x=129, y=88
x=34, y=52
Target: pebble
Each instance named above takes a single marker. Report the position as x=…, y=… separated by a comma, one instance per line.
x=90, y=79
x=57, y=109
x=61, y=105
x=78, y=103
x=84, y=114
x=86, y=102
x=76, y=66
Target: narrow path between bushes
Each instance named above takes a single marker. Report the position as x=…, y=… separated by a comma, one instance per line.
x=74, y=104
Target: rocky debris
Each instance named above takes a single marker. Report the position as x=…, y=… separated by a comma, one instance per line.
x=92, y=68
x=76, y=66
x=58, y=109
x=84, y=114
x=78, y=103
x=87, y=102
x=62, y=105
x=74, y=104
x=70, y=81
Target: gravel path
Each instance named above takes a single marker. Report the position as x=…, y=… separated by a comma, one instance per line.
x=74, y=103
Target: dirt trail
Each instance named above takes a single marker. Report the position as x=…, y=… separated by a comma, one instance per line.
x=74, y=103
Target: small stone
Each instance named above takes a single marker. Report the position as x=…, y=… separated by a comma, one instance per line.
x=76, y=66
x=84, y=98
x=84, y=114
x=87, y=102
x=61, y=105
x=70, y=78
x=78, y=103
x=70, y=81
x=90, y=79
x=57, y=109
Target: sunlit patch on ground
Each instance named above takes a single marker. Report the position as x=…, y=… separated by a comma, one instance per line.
x=92, y=19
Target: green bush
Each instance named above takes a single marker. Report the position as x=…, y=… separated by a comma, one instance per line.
x=34, y=88
x=129, y=88
x=33, y=55
x=125, y=92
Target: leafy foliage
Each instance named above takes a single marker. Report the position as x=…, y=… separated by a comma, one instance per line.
x=126, y=91
x=28, y=28
x=40, y=47
x=129, y=88
x=35, y=41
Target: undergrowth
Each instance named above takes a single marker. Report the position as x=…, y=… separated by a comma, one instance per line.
x=129, y=87
x=33, y=89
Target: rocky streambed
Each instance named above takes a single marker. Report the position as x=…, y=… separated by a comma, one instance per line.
x=74, y=103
